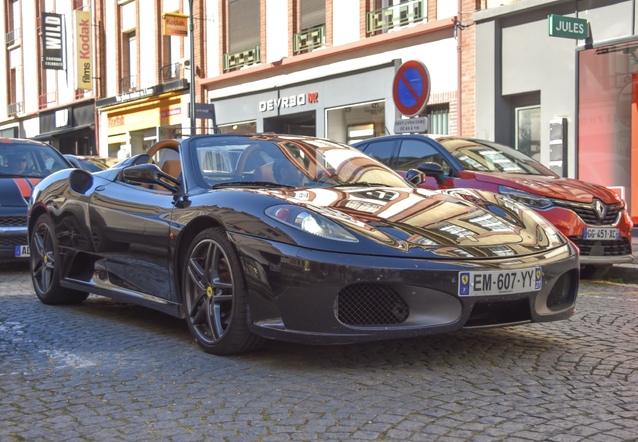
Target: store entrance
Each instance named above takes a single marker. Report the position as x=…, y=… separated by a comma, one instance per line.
x=303, y=123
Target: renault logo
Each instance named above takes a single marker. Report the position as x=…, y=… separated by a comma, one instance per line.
x=600, y=208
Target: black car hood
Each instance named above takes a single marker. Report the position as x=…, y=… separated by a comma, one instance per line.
x=471, y=224
x=16, y=191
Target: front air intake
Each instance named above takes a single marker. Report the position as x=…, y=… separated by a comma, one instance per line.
x=371, y=305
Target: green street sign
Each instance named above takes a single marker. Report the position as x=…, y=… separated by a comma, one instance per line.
x=568, y=27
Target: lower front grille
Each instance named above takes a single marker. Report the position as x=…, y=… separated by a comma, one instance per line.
x=11, y=241
x=371, y=305
x=564, y=292
x=602, y=248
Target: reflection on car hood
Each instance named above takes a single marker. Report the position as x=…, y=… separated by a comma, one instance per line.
x=471, y=224
x=560, y=188
x=15, y=192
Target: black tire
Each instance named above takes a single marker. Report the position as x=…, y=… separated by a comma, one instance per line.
x=590, y=271
x=214, y=296
x=45, y=266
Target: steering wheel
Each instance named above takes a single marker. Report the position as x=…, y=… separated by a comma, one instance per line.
x=243, y=159
x=163, y=144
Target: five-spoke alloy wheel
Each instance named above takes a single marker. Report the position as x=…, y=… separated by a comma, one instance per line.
x=214, y=295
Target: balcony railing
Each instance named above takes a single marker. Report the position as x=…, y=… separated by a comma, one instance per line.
x=14, y=108
x=48, y=99
x=170, y=72
x=13, y=37
x=308, y=39
x=238, y=60
x=396, y=16
x=127, y=84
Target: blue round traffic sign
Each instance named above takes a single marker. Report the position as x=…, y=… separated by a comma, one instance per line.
x=411, y=88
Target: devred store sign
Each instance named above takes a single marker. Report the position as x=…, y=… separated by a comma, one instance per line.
x=291, y=101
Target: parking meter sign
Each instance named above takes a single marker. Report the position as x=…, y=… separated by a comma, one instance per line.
x=411, y=88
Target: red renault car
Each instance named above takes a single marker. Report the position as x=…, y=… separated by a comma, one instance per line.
x=591, y=216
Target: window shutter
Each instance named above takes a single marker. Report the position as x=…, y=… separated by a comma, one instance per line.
x=313, y=13
x=243, y=25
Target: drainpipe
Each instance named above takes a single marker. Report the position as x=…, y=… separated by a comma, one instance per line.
x=459, y=40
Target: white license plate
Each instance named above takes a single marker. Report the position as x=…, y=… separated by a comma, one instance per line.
x=22, y=252
x=594, y=233
x=500, y=282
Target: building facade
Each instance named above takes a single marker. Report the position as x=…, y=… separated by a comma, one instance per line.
x=45, y=96
x=566, y=98
x=326, y=68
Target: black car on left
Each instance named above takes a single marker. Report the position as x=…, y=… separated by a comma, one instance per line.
x=23, y=163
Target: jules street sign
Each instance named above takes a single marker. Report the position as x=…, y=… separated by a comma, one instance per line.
x=568, y=27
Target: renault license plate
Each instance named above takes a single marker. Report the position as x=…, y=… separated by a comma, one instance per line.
x=500, y=282
x=594, y=233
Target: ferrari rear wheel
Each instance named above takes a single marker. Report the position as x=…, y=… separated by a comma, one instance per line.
x=214, y=295
x=45, y=267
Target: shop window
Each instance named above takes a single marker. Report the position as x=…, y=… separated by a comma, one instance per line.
x=244, y=34
x=389, y=15
x=527, y=121
x=246, y=127
x=312, y=26
x=360, y=132
x=352, y=123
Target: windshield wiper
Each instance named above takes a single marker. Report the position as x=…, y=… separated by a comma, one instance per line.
x=249, y=184
x=361, y=184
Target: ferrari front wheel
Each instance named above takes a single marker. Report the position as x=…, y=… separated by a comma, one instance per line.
x=214, y=295
x=45, y=266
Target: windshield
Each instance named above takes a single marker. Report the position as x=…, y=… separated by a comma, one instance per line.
x=24, y=159
x=484, y=156
x=287, y=161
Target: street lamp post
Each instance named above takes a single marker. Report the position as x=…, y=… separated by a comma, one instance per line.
x=191, y=32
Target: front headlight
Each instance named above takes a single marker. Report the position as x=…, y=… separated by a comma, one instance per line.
x=310, y=222
x=529, y=199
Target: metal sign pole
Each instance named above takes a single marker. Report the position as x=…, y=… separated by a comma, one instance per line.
x=191, y=29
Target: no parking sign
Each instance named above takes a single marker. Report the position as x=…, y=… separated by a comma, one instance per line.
x=411, y=88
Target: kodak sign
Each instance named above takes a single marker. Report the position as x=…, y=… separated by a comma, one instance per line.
x=83, y=50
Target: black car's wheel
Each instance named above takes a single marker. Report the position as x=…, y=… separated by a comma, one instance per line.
x=45, y=267
x=214, y=295
x=589, y=271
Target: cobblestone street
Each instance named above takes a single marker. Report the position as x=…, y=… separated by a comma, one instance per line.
x=105, y=370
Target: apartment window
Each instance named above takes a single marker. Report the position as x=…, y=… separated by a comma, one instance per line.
x=129, y=62
x=14, y=91
x=312, y=26
x=438, y=119
x=244, y=33
x=390, y=15
x=14, y=23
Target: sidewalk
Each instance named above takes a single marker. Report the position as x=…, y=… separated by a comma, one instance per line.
x=626, y=273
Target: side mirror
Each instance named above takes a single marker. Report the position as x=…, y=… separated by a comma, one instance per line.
x=414, y=176
x=150, y=174
x=434, y=170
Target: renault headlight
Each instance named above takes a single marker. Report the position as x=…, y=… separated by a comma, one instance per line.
x=526, y=198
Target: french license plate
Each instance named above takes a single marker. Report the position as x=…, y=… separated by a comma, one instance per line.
x=500, y=282
x=594, y=233
x=22, y=252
